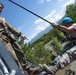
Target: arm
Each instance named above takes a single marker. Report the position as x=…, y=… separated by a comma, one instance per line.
x=14, y=31
x=64, y=28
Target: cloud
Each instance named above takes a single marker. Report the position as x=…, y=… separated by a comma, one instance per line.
x=48, y=0
x=41, y=24
x=54, y=17
x=39, y=21
x=42, y=1
x=69, y=2
x=60, y=0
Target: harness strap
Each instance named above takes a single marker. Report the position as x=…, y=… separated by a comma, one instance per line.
x=70, y=38
x=74, y=40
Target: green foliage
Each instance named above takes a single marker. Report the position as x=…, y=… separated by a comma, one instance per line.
x=49, y=36
x=56, y=45
x=38, y=54
x=57, y=33
x=36, y=51
x=71, y=11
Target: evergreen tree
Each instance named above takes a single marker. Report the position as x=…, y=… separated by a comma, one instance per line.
x=71, y=11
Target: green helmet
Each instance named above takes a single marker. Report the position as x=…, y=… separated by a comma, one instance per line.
x=66, y=20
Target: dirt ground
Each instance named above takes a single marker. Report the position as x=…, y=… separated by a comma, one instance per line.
x=63, y=71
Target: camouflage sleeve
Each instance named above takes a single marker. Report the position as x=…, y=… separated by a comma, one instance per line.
x=12, y=30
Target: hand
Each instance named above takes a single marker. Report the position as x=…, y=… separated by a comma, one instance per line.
x=23, y=37
x=54, y=25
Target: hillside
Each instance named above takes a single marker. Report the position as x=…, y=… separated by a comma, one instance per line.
x=40, y=34
x=36, y=52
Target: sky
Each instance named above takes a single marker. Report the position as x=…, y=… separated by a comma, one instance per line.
x=27, y=23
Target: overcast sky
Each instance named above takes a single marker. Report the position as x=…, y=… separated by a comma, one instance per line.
x=28, y=24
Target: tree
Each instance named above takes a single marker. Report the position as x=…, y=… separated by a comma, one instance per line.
x=56, y=45
x=71, y=11
x=57, y=33
x=38, y=54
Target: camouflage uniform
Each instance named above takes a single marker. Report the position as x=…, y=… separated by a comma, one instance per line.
x=11, y=44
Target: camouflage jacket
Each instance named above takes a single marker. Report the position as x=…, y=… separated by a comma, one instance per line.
x=5, y=24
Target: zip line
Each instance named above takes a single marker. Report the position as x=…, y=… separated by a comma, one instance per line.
x=30, y=11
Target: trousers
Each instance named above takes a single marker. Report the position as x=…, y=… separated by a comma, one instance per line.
x=15, y=50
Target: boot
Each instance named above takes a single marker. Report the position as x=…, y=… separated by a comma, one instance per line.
x=33, y=71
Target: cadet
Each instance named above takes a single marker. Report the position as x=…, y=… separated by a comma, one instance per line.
x=6, y=32
x=69, y=56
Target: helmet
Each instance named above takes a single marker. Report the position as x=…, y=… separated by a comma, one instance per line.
x=66, y=20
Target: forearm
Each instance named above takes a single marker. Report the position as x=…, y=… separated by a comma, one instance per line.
x=62, y=28
x=13, y=30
